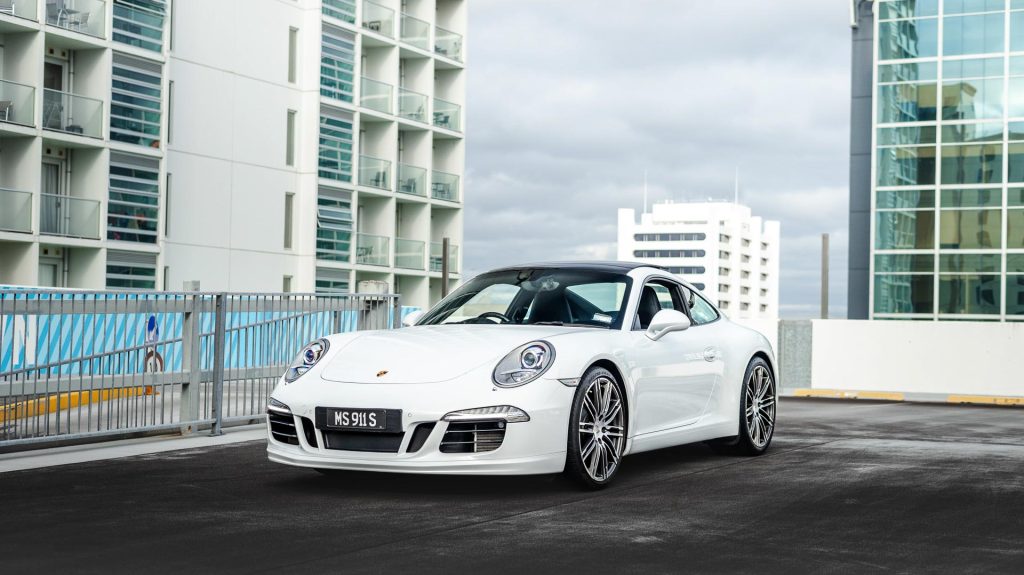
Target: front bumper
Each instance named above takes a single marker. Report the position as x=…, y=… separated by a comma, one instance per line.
x=531, y=447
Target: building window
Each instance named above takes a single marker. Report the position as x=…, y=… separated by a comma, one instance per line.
x=969, y=283
x=293, y=54
x=904, y=283
x=135, y=102
x=289, y=207
x=286, y=284
x=133, y=206
x=1015, y=284
x=331, y=281
x=333, y=225
x=289, y=145
x=669, y=237
x=140, y=23
x=167, y=205
x=131, y=270
x=337, y=64
x=344, y=10
x=668, y=253
x=335, y=157
x=686, y=270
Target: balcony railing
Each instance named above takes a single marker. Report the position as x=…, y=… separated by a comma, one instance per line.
x=344, y=10
x=444, y=186
x=409, y=254
x=15, y=211
x=374, y=172
x=85, y=16
x=372, y=250
x=415, y=32
x=17, y=103
x=378, y=18
x=64, y=112
x=448, y=43
x=69, y=216
x=376, y=95
x=412, y=105
x=447, y=115
x=412, y=180
x=21, y=9
x=436, y=249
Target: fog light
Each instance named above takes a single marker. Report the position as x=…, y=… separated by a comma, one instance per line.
x=278, y=406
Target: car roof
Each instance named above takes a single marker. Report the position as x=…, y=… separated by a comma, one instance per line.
x=598, y=265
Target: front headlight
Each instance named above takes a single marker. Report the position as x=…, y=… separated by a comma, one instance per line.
x=524, y=364
x=306, y=359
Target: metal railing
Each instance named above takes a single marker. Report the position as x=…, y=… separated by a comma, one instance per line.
x=78, y=365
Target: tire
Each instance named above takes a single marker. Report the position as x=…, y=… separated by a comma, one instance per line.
x=597, y=429
x=755, y=429
x=329, y=472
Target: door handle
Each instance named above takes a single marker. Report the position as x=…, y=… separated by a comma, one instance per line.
x=710, y=354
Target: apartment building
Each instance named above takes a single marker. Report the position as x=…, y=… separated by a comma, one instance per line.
x=309, y=145
x=937, y=160
x=726, y=252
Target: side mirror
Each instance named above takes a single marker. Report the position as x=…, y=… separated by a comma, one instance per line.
x=411, y=318
x=667, y=321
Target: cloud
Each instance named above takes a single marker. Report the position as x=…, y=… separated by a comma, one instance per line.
x=571, y=101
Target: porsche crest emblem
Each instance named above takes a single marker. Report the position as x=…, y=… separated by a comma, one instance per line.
x=382, y=373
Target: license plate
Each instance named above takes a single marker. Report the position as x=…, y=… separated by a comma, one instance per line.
x=354, y=419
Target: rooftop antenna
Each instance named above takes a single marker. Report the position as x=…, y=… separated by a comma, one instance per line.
x=645, y=192
x=736, y=190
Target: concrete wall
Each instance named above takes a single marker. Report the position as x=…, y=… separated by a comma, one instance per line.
x=912, y=358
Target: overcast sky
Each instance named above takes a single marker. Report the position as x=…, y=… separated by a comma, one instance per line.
x=569, y=101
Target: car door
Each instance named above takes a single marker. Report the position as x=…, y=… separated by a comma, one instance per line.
x=673, y=377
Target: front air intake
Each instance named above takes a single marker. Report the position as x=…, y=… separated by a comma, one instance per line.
x=473, y=437
x=282, y=427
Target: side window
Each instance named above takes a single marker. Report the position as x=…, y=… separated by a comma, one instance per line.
x=701, y=311
x=655, y=297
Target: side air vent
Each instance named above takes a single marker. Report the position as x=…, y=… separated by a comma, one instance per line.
x=419, y=437
x=473, y=437
x=282, y=427
x=309, y=431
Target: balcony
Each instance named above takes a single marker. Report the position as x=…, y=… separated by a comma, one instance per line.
x=15, y=211
x=380, y=19
x=412, y=105
x=447, y=115
x=409, y=254
x=69, y=216
x=435, y=257
x=374, y=173
x=412, y=180
x=376, y=95
x=85, y=16
x=448, y=43
x=344, y=10
x=21, y=9
x=415, y=32
x=444, y=187
x=17, y=103
x=372, y=250
x=64, y=112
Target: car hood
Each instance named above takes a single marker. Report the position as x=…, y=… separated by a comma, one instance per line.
x=428, y=354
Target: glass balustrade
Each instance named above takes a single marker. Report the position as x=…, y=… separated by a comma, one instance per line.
x=374, y=172
x=412, y=180
x=17, y=103
x=448, y=43
x=379, y=19
x=436, y=249
x=372, y=250
x=69, y=216
x=444, y=186
x=22, y=9
x=447, y=115
x=85, y=16
x=415, y=32
x=409, y=254
x=376, y=95
x=15, y=210
x=64, y=112
x=412, y=105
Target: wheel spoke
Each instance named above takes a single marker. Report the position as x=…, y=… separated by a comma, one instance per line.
x=587, y=403
x=591, y=445
x=613, y=412
x=587, y=428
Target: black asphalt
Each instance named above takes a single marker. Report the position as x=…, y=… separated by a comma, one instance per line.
x=851, y=487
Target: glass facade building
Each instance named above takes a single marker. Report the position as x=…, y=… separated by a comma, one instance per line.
x=947, y=163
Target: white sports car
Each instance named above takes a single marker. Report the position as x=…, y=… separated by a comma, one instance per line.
x=532, y=369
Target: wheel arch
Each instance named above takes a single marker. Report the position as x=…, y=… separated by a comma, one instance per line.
x=617, y=372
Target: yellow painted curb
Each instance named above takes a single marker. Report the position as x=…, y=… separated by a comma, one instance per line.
x=986, y=399
x=840, y=394
x=52, y=403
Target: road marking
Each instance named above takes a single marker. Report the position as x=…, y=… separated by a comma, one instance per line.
x=986, y=399
x=47, y=405
x=841, y=394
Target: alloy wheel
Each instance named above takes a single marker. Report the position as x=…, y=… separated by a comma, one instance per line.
x=759, y=406
x=602, y=429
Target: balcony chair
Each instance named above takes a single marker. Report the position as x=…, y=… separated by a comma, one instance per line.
x=408, y=186
x=5, y=106
x=78, y=21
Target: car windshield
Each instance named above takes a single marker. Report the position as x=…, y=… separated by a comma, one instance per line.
x=537, y=296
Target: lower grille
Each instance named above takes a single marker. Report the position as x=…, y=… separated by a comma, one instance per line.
x=473, y=437
x=362, y=441
x=282, y=427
